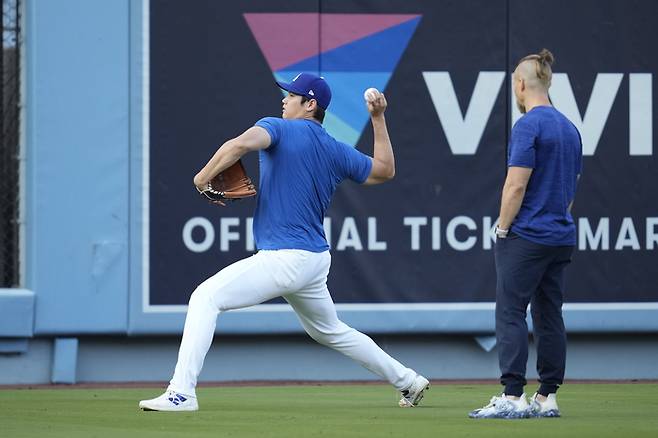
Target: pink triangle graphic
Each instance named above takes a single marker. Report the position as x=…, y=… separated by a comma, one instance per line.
x=287, y=38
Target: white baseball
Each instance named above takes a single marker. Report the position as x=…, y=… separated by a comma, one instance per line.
x=371, y=94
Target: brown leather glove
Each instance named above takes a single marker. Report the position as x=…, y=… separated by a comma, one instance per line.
x=230, y=185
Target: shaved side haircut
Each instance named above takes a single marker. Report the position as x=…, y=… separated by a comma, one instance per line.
x=536, y=69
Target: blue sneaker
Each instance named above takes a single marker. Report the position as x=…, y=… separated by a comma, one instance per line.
x=503, y=407
x=546, y=409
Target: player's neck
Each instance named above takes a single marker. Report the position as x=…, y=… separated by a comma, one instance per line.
x=536, y=100
x=311, y=119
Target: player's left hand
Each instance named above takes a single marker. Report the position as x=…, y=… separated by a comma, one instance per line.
x=230, y=185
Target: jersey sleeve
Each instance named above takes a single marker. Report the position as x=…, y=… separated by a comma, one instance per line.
x=273, y=126
x=522, y=144
x=353, y=164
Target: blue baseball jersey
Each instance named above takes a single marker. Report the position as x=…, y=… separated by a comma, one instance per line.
x=547, y=142
x=299, y=173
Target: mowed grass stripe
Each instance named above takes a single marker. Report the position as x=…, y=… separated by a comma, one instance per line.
x=600, y=410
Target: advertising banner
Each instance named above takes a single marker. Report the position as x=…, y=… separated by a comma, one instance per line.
x=427, y=235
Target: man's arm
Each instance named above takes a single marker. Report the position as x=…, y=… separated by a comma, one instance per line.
x=571, y=203
x=383, y=160
x=229, y=153
x=513, y=192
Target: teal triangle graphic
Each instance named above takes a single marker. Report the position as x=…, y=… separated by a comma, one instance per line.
x=340, y=130
x=350, y=69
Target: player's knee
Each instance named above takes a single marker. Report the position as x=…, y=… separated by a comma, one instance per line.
x=332, y=337
x=316, y=336
x=321, y=337
x=200, y=297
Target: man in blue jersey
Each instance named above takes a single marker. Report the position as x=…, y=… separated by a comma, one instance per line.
x=535, y=238
x=300, y=167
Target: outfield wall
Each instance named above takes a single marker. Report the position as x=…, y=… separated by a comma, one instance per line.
x=243, y=358
x=125, y=100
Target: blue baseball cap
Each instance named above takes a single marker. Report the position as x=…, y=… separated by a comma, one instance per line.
x=311, y=86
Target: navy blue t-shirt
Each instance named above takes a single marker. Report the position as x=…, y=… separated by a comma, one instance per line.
x=299, y=173
x=547, y=142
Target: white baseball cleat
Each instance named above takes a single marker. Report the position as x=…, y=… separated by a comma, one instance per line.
x=414, y=394
x=503, y=407
x=548, y=408
x=170, y=401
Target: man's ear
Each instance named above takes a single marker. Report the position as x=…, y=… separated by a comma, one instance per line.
x=311, y=105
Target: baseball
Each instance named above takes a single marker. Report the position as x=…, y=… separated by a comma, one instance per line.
x=370, y=94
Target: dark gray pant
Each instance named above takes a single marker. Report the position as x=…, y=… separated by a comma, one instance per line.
x=528, y=272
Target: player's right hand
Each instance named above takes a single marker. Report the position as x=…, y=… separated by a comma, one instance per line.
x=377, y=106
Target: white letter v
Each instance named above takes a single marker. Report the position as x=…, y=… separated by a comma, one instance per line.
x=464, y=133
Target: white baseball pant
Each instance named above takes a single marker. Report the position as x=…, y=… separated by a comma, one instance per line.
x=301, y=278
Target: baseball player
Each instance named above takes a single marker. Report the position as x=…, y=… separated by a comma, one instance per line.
x=300, y=167
x=535, y=239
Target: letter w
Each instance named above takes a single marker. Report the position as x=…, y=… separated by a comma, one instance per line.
x=464, y=133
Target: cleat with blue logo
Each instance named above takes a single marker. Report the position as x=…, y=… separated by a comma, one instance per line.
x=544, y=409
x=414, y=394
x=170, y=401
x=503, y=407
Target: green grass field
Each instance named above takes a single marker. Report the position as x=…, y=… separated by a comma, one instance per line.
x=627, y=410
